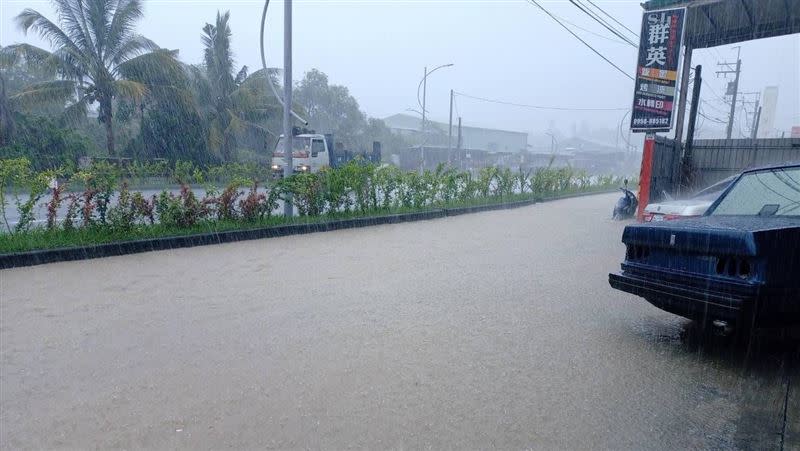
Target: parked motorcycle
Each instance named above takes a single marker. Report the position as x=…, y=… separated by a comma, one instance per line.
x=626, y=206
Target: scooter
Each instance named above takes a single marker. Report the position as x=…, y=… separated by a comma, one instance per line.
x=626, y=205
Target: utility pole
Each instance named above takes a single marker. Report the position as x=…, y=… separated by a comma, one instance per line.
x=756, y=119
x=686, y=164
x=450, y=130
x=460, y=154
x=745, y=102
x=733, y=89
x=683, y=89
x=288, y=208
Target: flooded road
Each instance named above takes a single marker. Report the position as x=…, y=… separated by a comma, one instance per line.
x=490, y=330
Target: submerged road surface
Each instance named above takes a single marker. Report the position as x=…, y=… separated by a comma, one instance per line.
x=488, y=330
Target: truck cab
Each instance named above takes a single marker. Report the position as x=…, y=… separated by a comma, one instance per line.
x=310, y=153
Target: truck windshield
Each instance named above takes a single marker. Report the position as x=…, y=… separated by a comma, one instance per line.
x=298, y=144
x=774, y=192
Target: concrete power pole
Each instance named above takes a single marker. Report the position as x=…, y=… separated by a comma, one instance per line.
x=450, y=130
x=756, y=119
x=735, y=87
x=288, y=208
x=460, y=157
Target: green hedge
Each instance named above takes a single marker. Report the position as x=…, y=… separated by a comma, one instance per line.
x=234, y=197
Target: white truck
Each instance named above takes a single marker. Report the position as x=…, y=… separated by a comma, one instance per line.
x=310, y=153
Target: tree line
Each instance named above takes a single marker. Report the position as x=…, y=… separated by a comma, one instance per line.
x=103, y=90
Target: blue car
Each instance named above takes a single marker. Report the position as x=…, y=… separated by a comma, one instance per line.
x=738, y=264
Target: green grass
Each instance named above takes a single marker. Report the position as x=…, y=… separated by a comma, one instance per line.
x=39, y=238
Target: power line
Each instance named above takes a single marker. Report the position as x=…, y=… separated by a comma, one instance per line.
x=535, y=107
x=613, y=18
x=591, y=32
x=719, y=97
x=716, y=108
x=712, y=119
x=602, y=22
x=579, y=38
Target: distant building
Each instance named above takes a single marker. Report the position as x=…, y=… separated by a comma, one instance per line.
x=478, y=138
x=596, y=158
x=766, y=124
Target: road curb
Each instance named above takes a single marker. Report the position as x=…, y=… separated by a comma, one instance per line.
x=44, y=256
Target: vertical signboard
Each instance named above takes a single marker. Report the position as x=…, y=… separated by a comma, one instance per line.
x=657, y=70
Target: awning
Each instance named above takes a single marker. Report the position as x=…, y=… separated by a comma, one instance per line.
x=720, y=22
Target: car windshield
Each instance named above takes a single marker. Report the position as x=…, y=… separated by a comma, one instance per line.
x=713, y=191
x=775, y=192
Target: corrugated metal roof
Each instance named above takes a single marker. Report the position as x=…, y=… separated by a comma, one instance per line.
x=408, y=122
x=720, y=22
x=661, y=4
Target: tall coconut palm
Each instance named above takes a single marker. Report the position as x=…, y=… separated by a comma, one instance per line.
x=94, y=45
x=235, y=103
x=21, y=68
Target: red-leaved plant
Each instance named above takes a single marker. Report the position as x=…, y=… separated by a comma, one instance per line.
x=87, y=211
x=226, y=202
x=254, y=205
x=52, y=206
x=72, y=211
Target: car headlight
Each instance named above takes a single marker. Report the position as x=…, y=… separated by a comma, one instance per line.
x=275, y=167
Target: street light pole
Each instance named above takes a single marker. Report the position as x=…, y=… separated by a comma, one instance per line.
x=424, y=138
x=424, y=85
x=288, y=169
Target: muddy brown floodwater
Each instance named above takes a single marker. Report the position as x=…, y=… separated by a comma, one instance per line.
x=491, y=330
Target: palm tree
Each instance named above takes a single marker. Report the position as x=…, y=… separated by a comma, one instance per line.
x=94, y=46
x=235, y=102
x=21, y=66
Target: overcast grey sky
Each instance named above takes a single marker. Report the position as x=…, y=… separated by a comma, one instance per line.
x=502, y=49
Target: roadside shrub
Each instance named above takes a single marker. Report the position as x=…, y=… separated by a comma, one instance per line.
x=122, y=216
x=37, y=187
x=54, y=204
x=183, y=210
x=388, y=179
x=524, y=179
x=486, y=181
x=226, y=202
x=256, y=206
x=354, y=187
x=17, y=177
x=307, y=193
x=100, y=180
x=73, y=205
x=87, y=209
x=506, y=182
x=144, y=209
x=335, y=190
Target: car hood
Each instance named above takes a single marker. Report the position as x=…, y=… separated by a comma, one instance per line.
x=729, y=235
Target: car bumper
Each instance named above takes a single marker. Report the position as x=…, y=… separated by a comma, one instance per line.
x=705, y=299
x=686, y=301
